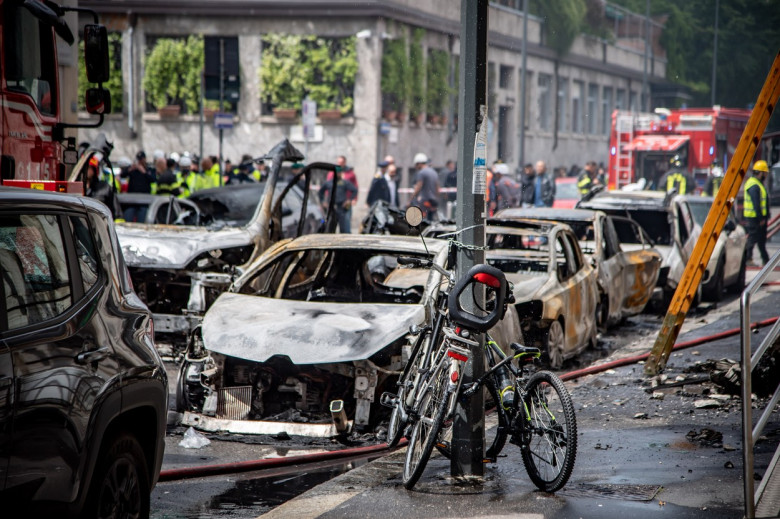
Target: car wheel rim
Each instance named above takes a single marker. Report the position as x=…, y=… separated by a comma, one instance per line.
x=120, y=494
x=555, y=344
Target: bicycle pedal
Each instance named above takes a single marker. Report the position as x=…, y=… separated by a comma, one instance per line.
x=388, y=400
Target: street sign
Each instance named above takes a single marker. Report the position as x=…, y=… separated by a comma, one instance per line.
x=223, y=121
x=384, y=128
x=309, y=117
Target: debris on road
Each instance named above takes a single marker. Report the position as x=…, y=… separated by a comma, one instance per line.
x=706, y=437
x=193, y=440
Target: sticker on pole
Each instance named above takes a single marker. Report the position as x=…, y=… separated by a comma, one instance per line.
x=479, y=182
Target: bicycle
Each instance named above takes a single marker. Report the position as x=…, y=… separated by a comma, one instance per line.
x=534, y=408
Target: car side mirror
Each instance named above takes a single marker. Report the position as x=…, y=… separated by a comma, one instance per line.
x=96, y=53
x=414, y=216
x=98, y=101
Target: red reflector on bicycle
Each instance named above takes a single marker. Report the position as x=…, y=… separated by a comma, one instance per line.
x=457, y=356
x=454, y=377
x=487, y=279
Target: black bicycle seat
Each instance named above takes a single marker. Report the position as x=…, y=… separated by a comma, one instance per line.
x=519, y=348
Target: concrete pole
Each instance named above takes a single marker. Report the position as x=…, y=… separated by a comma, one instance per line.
x=523, y=92
x=468, y=429
x=643, y=102
x=715, y=53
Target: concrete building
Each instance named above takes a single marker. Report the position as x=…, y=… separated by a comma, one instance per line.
x=595, y=77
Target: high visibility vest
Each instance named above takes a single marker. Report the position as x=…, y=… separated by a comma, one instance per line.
x=679, y=179
x=716, y=182
x=584, y=184
x=213, y=175
x=186, y=185
x=749, y=210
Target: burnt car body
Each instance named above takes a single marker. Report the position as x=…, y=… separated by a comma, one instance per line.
x=83, y=392
x=555, y=287
x=317, y=319
x=667, y=219
x=179, y=270
x=728, y=263
x=166, y=210
x=627, y=274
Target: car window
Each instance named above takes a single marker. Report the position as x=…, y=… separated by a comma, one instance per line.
x=36, y=282
x=573, y=258
x=561, y=262
x=265, y=281
x=86, y=254
x=609, y=239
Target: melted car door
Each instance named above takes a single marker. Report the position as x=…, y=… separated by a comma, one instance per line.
x=612, y=274
x=60, y=353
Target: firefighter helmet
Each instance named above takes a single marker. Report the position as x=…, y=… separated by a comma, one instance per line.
x=761, y=165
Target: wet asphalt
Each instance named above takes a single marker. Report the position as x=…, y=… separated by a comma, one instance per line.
x=643, y=466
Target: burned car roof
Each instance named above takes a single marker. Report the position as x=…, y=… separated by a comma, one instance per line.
x=627, y=200
x=546, y=213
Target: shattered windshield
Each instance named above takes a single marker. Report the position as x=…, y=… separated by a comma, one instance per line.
x=339, y=276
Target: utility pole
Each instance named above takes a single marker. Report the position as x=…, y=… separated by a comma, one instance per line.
x=645, y=91
x=221, y=104
x=468, y=428
x=524, y=72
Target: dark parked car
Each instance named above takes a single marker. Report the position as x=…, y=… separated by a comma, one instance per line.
x=83, y=392
x=160, y=209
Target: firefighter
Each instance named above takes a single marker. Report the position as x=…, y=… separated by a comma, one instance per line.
x=756, y=211
x=187, y=177
x=714, y=180
x=676, y=178
x=168, y=183
x=587, y=178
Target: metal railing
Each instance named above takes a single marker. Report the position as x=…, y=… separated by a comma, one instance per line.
x=749, y=362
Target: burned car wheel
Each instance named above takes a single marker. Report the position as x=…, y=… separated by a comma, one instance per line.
x=120, y=486
x=555, y=344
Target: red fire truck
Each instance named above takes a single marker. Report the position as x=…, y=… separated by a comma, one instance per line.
x=642, y=144
x=33, y=150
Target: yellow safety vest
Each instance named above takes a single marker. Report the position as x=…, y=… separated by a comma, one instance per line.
x=679, y=179
x=584, y=185
x=749, y=211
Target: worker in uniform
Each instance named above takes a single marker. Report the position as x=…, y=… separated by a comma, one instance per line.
x=714, y=180
x=677, y=178
x=587, y=178
x=756, y=211
x=186, y=177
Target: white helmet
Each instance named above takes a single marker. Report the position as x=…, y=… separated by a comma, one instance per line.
x=158, y=154
x=175, y=156
x=185, y=162
x=124, y=162
x=501, y=169
x=421, y=158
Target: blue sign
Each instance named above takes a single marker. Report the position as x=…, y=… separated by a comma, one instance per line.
x=223, y=121
x=384, y=128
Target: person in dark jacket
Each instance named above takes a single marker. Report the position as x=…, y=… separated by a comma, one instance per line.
x=140, y=178
x=527, y=186
x=346, y=191
x=756, y=211
x=380, y=189
x=677, y=178
x=101, y=190
x=544, y=187
x=167, y=182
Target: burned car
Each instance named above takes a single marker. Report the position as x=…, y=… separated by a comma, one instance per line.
x=728, y=263
x=555, y=288
x=317, y=325
x=627, y=273
x=178, y=270
x=667, y=219
x=167, y=210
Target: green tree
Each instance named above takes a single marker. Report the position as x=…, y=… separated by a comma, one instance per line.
x=438, y=89
x=172, y=73
x=295, y=66
x=416, y=74
x=395, y=74
x=114, y=84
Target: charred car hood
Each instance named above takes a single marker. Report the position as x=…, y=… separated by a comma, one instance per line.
x=174, y=246
x=527, y=286
x=257, y=328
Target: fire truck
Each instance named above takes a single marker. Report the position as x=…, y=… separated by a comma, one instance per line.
x=34, y=152
x=642, y=144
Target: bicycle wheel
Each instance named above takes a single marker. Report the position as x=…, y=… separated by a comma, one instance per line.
x=396, y=425
x=495, y=437
x=549, y=432
x=433, y=405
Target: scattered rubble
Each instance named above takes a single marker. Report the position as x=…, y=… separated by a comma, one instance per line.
x=641, y=416
x=707, y=403
x=706, y=437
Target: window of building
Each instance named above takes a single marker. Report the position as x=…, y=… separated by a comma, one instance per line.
x=563, y=97
x=577, y=100
x=633, y=104
x=606, y=110
x=620, y=99
x=29, y=69
x=591, y=112
x=505, y=75
x=544, y=86
x=36, y=282
x=492, y=96
x=505, y=132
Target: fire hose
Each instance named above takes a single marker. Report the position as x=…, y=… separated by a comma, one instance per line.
x=382, y=449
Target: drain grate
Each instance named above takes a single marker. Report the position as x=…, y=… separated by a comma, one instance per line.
x=625, y=492
x=234, y=403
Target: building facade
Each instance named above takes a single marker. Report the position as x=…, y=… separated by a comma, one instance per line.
x=569, y=99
